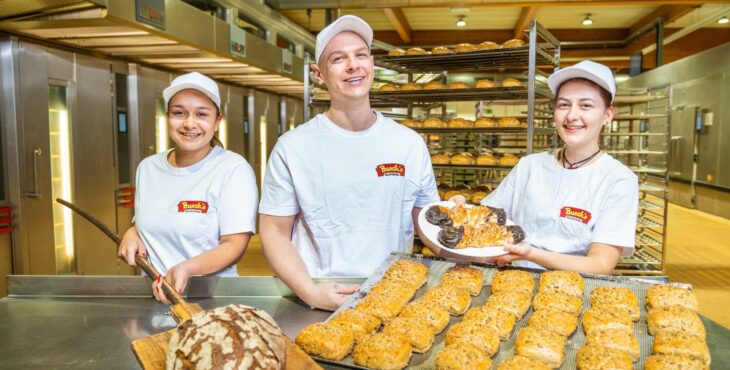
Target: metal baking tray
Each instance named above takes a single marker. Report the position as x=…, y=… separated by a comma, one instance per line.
x=438, y=266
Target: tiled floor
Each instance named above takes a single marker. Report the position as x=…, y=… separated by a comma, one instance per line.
x=698, y=253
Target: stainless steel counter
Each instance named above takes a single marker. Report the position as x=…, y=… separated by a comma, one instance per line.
x=76, y=322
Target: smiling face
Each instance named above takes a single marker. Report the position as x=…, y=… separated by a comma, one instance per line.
x=346, y=67
x=192, y=121
x=581, y=110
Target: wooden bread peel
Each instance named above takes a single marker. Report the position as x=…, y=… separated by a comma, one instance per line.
x=151, y=351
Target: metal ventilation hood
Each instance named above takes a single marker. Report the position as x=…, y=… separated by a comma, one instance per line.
x=164, y=33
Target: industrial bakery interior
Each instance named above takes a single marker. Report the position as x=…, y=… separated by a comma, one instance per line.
x=88, y=91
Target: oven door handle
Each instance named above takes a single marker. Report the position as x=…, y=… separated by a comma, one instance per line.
x=35, y=193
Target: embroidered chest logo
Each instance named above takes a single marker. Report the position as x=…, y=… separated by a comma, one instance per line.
x=390, y=169
x=576, y=214
x=197, y=206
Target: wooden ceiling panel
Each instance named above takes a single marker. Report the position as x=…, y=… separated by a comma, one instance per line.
x=619, y=16
x=424, y=19
x=700, y=13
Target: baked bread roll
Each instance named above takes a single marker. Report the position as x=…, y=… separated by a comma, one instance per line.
x=458, y=85
x=659, y=296
x=513, y=280
x=460, y=123
x=412, y=123
x=469, y=333
x=557, y=301
x=452, y=193
x=673, y=362
x=411, y=272
x=466, y=277
x=399, y=290
x=234, y=337
x=384, y=308
x=415, y=51
x=485, y=122
x=508, y=122
x=511, y=82
x=433, y=122
x=462, y=356
x=522, y=363
x=484, y=84
x=540, y=345
x=441, y=50
x=454, y=299
x=616, y=298
x=411, y=87
x=563, y=282
x=508, y=160
x=595, y=319
x=462, y=159
x=434, y=85
x=464, y=47
x=488, y=45
x=382, y=351
x=486, y=160
x=675, y=319
x=516, y=303
x=558, y=322
x=513, y=43
x=477, y=196
x=388, y=87
x=396, y=52
x=440, y=158
x=616, y=339
x=418, y=332
x=597, y=358
x=501, y=321
x=332, y=342
x=368, y=322
x=434, y=315
x=682, y=345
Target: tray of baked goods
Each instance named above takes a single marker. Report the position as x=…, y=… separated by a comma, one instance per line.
x=490, y=125
x=434, y=91
x=428, y=312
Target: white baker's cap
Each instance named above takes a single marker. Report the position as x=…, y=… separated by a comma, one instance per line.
x=193, y=80
x=345, y=23
x=587, y=69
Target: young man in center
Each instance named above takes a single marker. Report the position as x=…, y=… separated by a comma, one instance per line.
x=343, y=190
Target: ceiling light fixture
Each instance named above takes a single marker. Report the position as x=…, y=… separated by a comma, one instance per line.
x=723, y=20
x=461, y=22
x=587, y=21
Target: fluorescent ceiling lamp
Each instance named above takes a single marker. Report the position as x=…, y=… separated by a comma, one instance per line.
x=723, y=20
x=587, y=21
x=461, y=22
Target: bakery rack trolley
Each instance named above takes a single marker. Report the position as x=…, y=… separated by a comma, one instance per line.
x=640, y=136
x=539, y=57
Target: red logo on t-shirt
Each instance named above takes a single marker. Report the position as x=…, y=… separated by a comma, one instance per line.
x=575, y=214
x=390, y=169
x=197, y=206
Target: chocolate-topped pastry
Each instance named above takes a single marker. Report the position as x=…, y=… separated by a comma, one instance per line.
x=498, y=216
x=437, y=215
x=518, y=234
x=451, y=236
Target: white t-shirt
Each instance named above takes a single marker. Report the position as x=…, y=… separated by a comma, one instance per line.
x=564, y=210
x=353, y=192
x=182, y=212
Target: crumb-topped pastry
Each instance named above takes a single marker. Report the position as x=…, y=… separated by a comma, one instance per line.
x=434, y=85
x=488, y=45
x=518, y=280
x=411, y=87
x=412, y=123
x=486, y=159
x=454, y=299
x=557, y=301
x=601, y=358
x=365, y=320
x=459, y=123
x=616, y=298
x=382, y=351
x=556, y=321
x=396, y=52
x=483, y=337
x=617, y=339
x=484, y=84
x=673, y=362
x=384, y=308
x=328, y=341
x=659, y=296
x=462, y=356
x=682, y=345
x=458, y=85
x=415, y=51
x=501, y=321
x=675, y=319
x=391, y=288
x=434, y=315
x=477, y=196
x=462, y=158
x=511, y=82
x=441, y=50
x=508, y=160
x=464, y=47
x=409, y=271
x=508, y=122
x=513, y=43
x=562, y=281
x=514, y=302
x=433, y=122
x=540, y=345
x=522, y=363
x=388, y=87
x=440, y=158
x=597, y=319
x=418, y=332
x=467, y=277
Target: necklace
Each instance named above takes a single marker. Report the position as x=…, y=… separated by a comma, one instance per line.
x=578, y=164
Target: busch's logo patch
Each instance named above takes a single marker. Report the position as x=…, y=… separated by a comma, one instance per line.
x=390, y=169
x=576, y=214
x=197, y=206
